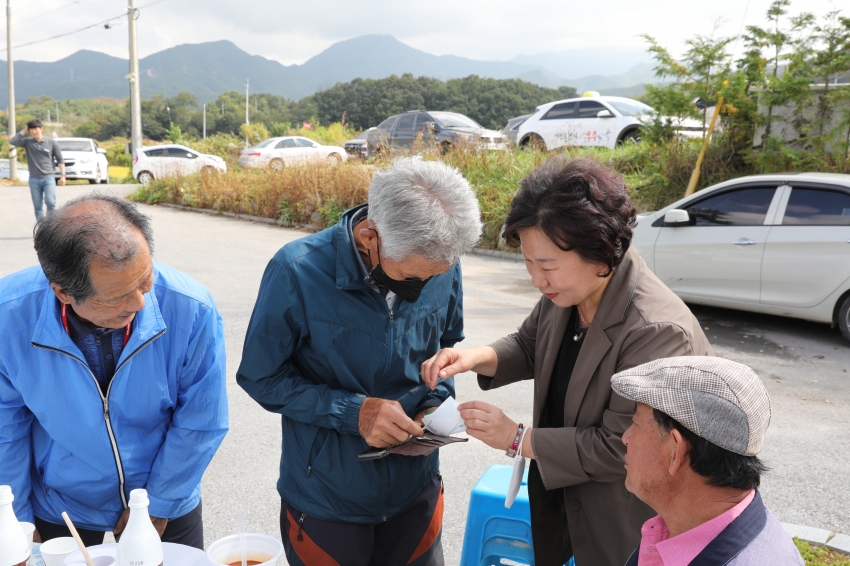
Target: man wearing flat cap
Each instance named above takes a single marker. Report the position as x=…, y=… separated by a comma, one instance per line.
x=691, y=455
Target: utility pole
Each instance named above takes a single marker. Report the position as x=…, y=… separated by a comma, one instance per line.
x=247, y=121
x=57, y=112
x=13, y=151
x=205, y=121
x=135, y=96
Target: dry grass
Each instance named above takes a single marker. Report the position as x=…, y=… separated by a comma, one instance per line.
x=314, y=194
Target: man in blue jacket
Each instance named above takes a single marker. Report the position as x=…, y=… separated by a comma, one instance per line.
x=112, y=378
x=342, y=323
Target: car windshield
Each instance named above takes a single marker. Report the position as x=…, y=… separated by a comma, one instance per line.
x=263, y=144
x=452, y=120
x=74, y=145
x=630, y=107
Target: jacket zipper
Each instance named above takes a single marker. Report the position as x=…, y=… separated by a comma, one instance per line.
x=105, y=402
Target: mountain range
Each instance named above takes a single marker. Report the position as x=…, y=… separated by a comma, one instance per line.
x=208, y=69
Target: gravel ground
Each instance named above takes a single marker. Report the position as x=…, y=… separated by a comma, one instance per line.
x=803, y=365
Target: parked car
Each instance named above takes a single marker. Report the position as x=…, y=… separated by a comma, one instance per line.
x=83, y=160
x=597, y=120
x=775, y=244
x=512, y=127
x=277, y=153
x=172, y=160
x=21, y=171
x=431, y=129
x=359, y=146
x=594, y=121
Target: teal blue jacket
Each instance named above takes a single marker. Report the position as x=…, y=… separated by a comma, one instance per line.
x=321, y=340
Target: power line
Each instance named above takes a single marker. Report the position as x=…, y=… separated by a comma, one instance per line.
x=81, y=29
x=740, y=29
x=16, y=24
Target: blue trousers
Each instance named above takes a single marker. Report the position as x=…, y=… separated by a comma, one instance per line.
x=43, y=191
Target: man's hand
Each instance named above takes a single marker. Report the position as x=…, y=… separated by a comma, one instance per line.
x=158, y=524
x=36, y=536
x=382, y=423
x=62, y=181
x=420, y=416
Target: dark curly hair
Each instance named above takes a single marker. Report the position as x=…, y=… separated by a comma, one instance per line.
x=580, y=205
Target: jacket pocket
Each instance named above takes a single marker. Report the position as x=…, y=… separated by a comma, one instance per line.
x=41, y=464
x=317, y=446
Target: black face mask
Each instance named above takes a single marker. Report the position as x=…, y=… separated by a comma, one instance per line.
x=407, y=289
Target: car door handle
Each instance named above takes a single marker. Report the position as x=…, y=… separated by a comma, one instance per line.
x=744, y=242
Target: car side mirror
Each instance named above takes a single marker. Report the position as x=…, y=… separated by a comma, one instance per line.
x=677, y=217
x=101, y=150
x=604, y=114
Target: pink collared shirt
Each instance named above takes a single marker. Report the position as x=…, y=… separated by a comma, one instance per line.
x=657, y=549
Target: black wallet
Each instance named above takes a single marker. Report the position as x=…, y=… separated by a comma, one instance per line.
x=413, y=446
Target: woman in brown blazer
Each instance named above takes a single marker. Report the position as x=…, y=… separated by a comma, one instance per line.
x=602, y=311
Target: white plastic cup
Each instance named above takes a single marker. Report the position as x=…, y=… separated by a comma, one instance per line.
x=54, y=551
x=29, y=529
x=262, y=548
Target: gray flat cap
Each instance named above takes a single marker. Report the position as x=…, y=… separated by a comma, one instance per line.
x=719, y=400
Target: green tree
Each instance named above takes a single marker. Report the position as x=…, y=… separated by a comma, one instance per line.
x=88, y=129
x=490, y=102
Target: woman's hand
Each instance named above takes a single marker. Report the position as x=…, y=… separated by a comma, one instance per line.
x=488, y=424
x=449, y=362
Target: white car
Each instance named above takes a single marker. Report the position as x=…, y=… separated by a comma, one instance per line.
x=277, y=153
x=21, y=171
x=83, y=160
x=173, y=160
x=774, y=244
x=604, y=121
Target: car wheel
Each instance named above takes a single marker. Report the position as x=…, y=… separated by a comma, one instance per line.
x=445, y=147
x=334, y=158
x=145, y=177
x=276, y=164
x=96, y=180
x=534, y=142
x=207, y=170
x=844, y=318
x=632, y=136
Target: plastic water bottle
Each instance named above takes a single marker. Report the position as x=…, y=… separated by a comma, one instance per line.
x=139, y=544
x=14, y=546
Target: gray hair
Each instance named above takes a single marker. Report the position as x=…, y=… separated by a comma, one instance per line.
x=91, y=228
x=424, y=208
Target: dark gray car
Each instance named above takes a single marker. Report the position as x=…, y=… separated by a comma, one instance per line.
x=512, y=127
x=417, y=130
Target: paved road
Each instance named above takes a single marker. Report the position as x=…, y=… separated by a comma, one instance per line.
x=804, y=366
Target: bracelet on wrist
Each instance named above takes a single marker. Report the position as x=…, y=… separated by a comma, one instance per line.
x=511, y=453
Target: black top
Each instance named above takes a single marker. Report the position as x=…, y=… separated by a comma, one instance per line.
x=553, y=410
x=102, y=347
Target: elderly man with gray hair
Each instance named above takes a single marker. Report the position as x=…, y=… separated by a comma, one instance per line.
x=112, y=378
x=343, y=320
x=691, y=455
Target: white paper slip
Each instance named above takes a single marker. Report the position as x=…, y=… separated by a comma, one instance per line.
x=446, y=420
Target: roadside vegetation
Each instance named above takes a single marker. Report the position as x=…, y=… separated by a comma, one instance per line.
x=820, y=555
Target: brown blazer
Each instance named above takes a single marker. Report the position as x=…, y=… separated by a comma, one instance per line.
x=638, y=320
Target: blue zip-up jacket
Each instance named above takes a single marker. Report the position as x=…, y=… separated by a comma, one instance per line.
x=65, y=447
x=319, y=342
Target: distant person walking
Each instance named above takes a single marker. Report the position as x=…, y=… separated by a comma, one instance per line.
x=42, y=153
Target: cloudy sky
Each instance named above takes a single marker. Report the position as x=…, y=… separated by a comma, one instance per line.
x=292, y=31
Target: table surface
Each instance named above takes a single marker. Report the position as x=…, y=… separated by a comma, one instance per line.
x=173, y=555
